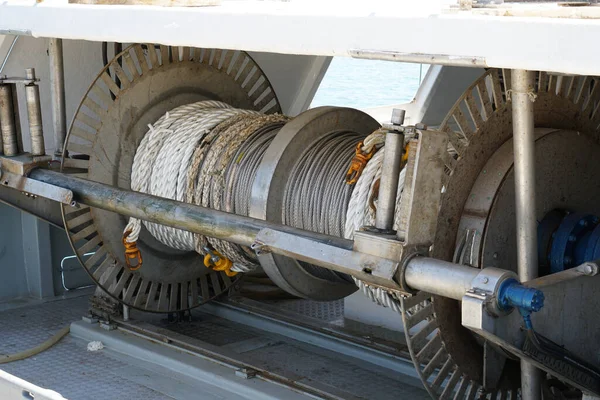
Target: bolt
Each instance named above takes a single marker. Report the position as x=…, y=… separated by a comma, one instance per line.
x=567, y=261
x=485, y=280
x=583, y=222
x=572, y=238
x=495, y=256
x=590, y=269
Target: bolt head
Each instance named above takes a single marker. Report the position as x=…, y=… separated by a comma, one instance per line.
x=572, y=238
x=485, y=280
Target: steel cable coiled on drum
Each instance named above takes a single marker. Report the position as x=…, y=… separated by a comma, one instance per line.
x=316, y=197
x=208, y=153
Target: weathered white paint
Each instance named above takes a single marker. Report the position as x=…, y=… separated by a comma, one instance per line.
x=325, y=28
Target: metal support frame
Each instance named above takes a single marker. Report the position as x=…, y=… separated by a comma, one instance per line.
x=523, y=97
x=34, y=114
x=57, y=93
x=8, y=140
x=390, y=171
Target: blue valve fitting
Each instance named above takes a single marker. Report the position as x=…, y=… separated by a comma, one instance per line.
x=512, y=294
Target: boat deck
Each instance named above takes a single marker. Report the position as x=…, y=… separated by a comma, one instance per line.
x=220, y=354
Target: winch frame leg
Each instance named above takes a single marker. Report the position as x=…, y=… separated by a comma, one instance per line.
x=57, y=91
x=523, y=96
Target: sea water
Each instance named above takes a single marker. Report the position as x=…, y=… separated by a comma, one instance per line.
x=367, y=84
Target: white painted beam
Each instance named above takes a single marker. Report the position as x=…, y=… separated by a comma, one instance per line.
x=331, y=28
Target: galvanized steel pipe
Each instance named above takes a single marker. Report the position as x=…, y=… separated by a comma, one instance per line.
x=439, y=277
x=57, y=92
x=34, y=114
x=205, y=221
x=523, y=96
x=388, y=185
x=7, y=122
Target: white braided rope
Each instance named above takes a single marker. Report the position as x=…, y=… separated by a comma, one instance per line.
x=182, y=139
x=163, y=158
x=361, y=214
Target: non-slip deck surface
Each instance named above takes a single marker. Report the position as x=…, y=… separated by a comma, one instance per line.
x=71, y=370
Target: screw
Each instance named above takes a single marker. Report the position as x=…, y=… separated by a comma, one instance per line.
x=572, y=238
x=485, y=280
x=590, y=269
x=495, y=256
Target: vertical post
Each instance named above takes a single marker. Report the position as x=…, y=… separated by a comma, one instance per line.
x=7, y=122
x=34, y=114
x=524, y=152
x=57, y=92
x=390, y=172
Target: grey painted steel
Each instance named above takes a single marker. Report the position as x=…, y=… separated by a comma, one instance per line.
x=193, y=361
x=524, y=150
x=34, y=115
x=42, y=208
x=57, y=92
x=388, y=184
x=439, y=277
x=7, y=122
x=269, y=185
x=297, y=331
x=31, y=187
x=564, y=157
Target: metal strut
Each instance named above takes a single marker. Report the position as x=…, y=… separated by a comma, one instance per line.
x=523, y=96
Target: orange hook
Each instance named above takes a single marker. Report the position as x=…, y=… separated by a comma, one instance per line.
x=132, y=253
x=358, y=163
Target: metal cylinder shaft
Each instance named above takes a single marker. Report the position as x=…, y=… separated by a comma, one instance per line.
x=34, y=114
x=7, y=122
x=57, y=92
x=523, y=97
x=439, y=277
x=205, y=221
x=388, y=185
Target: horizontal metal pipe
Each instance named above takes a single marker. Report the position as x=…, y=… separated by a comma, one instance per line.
x=439, y=277
x=205, y=221
x=422, y=273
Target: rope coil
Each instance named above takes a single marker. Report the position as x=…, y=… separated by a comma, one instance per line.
x=207, y=153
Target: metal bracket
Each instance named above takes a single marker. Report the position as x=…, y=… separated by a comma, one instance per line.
x=13, y=174
x=372, y=269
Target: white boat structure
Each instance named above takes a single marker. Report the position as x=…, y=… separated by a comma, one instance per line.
x=177, y=223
